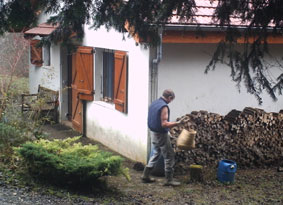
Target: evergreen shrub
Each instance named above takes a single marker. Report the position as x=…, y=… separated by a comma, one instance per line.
x=9, y=136
x=66, y=162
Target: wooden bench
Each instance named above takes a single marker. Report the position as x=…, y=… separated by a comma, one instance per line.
x=44, y=103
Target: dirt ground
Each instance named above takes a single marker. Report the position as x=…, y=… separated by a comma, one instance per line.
x=252, y=186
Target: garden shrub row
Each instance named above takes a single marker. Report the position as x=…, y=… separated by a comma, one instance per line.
x=67, y=162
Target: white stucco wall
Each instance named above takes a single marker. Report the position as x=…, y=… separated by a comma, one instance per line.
x=53, y=76
x=46, y=76
x=182, y=69
x=124, y=133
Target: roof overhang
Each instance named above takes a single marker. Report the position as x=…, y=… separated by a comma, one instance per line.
x=173, y=33
x=207, y=34
x=43, y=29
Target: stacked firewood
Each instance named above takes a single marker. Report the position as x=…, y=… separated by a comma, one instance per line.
x=252, y=138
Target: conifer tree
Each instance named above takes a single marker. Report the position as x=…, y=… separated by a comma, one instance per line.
x=261, y=18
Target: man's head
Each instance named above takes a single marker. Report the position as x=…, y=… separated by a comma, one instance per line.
x=168, y=95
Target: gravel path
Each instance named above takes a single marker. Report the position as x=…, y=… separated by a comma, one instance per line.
x=11, y=195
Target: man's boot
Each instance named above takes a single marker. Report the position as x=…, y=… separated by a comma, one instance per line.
x=145, y=176
x=169, y=180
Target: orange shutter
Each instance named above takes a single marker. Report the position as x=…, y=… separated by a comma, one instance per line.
x=83, y=76
x=77, y=108
x=35, y=53
x=120, y=81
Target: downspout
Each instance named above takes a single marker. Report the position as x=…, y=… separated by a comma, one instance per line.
x=154, y=70
x=154, y=82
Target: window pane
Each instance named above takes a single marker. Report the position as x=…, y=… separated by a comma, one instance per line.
x=46, y=57
x=108, y=74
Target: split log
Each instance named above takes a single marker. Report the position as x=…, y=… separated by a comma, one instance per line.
x=232, y=116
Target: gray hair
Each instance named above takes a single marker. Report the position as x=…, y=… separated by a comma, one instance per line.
x=168, y=93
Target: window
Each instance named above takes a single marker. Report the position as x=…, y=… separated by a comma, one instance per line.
x=35, y=53
x=115, y=79
x=46, y=55
x=39, y=55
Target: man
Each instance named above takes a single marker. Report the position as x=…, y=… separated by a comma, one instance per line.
x=159, y=124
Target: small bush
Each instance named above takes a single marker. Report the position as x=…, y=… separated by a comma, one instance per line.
x=8, y=133
x=10, y=100
x=65, y=162
x=9, y=136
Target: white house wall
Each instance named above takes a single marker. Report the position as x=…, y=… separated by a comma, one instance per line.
x=182, y=69
x=46, y=76
x=124, y=133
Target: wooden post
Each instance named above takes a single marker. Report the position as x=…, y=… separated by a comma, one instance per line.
x=196, y=173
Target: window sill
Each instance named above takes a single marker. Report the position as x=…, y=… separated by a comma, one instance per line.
x=108, y=105
x=47, y=67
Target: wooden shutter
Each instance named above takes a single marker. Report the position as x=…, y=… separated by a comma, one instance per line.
x=35, y=53
x=77, y=108
x=120, y=81
x=82, y=83
x=83, y=73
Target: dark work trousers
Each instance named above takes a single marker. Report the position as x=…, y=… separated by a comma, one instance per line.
x=162, y=145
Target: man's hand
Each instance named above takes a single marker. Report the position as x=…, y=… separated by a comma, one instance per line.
x=179, y=122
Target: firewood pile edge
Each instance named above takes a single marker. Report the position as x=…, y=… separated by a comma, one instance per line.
x=252, y=138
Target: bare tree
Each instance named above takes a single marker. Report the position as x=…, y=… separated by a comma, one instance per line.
x=13, y=64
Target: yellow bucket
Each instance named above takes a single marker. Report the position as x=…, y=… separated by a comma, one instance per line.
x=186, y=139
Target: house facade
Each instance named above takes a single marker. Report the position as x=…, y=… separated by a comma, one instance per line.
x=107, y=85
